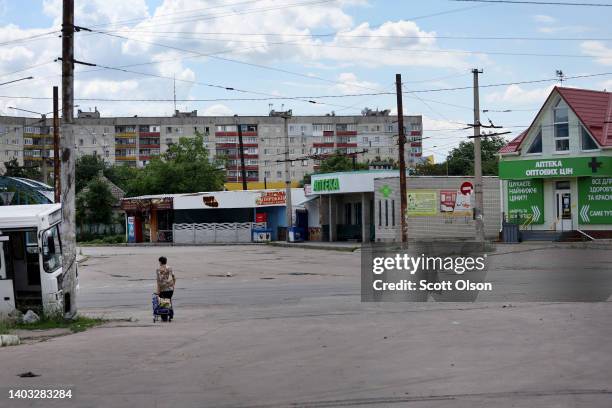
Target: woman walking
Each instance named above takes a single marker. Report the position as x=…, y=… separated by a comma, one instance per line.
x=165, y=279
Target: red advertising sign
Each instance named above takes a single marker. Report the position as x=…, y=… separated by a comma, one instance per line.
x=447, y=200
x=271, y=198
x=261, y=217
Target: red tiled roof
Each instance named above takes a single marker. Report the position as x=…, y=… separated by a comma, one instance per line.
x=593, y=108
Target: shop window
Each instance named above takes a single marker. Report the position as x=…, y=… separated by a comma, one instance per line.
x=561, y=125
x=586, y=140
x=536, y=145
x=348, y=220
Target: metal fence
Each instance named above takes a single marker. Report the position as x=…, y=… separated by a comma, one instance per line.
x=214, y=232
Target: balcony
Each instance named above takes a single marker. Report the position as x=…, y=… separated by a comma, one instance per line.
x=125, y=158
x=149, y=134
x=346, y=145
x=328, y=133
x=217, y=134
x=124, y=135
x=247, y=167
x=415, y=133
x=323, y=144
x=346, y=133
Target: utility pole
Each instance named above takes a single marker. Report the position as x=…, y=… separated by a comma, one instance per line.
x=478, y=199
x=241, y=146
x=56, y=148
x=402, y=160
x=289, y=208
x=45, y=133
x=68, y=162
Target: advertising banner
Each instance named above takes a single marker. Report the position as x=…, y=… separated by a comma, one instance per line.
x=595, y=200
x=526, y=200
x=557, y=167
x=422, y=202
x=131, y=228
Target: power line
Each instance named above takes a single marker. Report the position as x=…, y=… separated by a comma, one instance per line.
x=392, y=49
x=312, y=97
x=344, y=34
x=547, y=3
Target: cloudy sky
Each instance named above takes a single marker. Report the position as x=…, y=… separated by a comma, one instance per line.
x=306, y=50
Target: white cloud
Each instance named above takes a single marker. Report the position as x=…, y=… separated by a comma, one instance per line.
x=348, y=83
x=105, y=88
x=542, y=18
x=597, y=49
x=515, y=95
x=217, y=110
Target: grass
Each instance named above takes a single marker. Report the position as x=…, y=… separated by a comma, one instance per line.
x=78, y=324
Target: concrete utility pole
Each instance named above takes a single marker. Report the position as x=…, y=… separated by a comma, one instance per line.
x=68, y=162
x=478, y=199
x=402, y=161
x=289, y=208
x=56, y=148
x=45, y=133
x=241, y=146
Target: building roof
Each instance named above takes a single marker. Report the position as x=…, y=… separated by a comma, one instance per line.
x=593, y=108
x=116, y=192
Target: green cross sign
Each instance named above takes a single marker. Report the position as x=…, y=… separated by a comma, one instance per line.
x=385, y=191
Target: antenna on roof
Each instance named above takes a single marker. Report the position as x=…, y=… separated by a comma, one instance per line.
x=561, y=76
x=174, y=82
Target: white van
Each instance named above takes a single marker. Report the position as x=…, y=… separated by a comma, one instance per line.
x=31, y=258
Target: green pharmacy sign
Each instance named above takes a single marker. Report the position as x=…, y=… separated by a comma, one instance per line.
x=328, y=184
x=526, y=200
x=556, y=167
x=595, y=200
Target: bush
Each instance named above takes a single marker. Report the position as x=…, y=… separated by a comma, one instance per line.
x=100, y=239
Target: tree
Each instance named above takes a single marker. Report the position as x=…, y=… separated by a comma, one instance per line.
x=184, y=168
x=94, y=204
x=13, y=169
x=335, y=163
x=461, y=158
x=88, y=167
x=430, y=169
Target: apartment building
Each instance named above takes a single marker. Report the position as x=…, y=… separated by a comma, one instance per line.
x=133, y=141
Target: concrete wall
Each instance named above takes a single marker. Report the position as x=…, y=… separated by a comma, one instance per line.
x=438, y=226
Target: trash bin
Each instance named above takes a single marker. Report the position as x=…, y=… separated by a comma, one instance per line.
x=510, y=233
x=296, y=234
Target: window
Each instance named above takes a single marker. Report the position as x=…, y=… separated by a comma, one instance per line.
x=536, y=145
x=52, y=249
x=279, y=174
x=348, y=219
x=393, y=213
x=386, y=213
x=379, y=213
x=560, y=114
x=80, y=142
x=586, y=141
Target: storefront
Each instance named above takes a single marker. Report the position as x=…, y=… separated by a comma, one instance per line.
x=557, y=175
x=219, y=216
x=346, y=204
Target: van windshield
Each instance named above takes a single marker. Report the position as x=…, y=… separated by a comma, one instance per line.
x=52, y=249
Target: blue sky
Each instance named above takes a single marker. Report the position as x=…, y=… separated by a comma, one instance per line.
x=367, y=43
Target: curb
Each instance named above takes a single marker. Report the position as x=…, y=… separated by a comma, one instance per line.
x=319, y=247
x=9, y=340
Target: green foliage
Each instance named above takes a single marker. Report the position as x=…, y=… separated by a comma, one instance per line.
x=94, y=239
x=337, y=162
x=46, y=322
x=122, y=176
x=184, y=168
x=88, y=167
x=95, y=203
x=430, y=169
x=461, y=158
x=13, y=169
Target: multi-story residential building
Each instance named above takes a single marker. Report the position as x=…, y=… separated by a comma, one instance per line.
x=133, y=141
